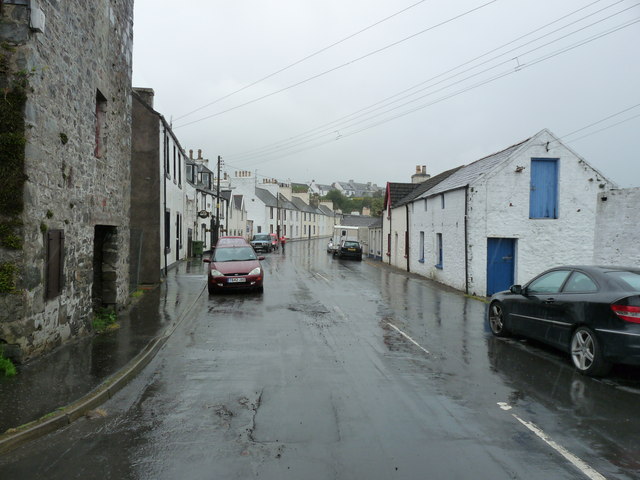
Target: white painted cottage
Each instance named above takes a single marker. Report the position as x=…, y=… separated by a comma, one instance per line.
x=506, y=217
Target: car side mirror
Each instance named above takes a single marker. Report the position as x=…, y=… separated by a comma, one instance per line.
x=517, y=289
x=206, y=260
x=261, y=257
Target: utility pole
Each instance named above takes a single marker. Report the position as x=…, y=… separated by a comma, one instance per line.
x=216, y=230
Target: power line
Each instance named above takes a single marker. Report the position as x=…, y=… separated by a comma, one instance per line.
x=324, y=49
x=274, y=150
x=333, y=124
x=453, y=94
x=326, y=72
x=563, y=138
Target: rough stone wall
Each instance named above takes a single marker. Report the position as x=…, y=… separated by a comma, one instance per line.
x=85, y=47
x=617, y=228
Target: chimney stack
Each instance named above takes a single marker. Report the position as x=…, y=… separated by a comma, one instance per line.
x=420, y=175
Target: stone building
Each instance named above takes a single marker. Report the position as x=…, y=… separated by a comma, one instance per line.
x=158, y=193
x=64, y=170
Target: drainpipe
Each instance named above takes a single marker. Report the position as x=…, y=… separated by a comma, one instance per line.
x=406, y=238
x=466, y=240
x=164, y=185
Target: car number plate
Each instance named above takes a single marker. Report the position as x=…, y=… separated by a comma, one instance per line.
x=237, y=280
x=351, y=249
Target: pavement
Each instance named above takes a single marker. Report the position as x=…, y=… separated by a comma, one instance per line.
x=66, y=384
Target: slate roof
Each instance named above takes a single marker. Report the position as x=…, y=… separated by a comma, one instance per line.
x=397, y=191
x=285, y=203
x=325, y=210
x=266, y=197
x=302, y=205
x=428, y=184
x=469, y=173
x=226, y=194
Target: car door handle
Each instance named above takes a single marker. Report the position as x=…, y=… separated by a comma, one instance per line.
x=549, y=300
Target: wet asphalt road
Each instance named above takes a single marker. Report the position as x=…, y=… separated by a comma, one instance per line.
x=347, y=370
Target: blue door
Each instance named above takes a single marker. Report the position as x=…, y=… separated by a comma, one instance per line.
x=500, y=253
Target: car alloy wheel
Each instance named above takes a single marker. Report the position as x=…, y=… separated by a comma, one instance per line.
x=586, y=353
x=496, y=320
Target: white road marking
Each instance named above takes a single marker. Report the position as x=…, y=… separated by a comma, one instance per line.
x=504, y=406
x=322, y=277
x=578, y=463
x=408, y=338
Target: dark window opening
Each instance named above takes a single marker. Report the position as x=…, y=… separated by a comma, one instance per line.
x=55, y=263
x=101, y=125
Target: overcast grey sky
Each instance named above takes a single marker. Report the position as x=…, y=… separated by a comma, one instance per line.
x=340, y=114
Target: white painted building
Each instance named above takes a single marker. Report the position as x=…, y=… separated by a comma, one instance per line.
x=617, y=228
x=507, y=217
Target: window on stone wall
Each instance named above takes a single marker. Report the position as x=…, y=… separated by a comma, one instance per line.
x=101, y=125
x=439, y=254
x=442, y=200
x=54, y=263
x=421, y=251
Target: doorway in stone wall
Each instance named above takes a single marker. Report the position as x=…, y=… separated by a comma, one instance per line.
x=105, y=260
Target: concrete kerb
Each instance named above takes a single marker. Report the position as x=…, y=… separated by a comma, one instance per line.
x=63, y=416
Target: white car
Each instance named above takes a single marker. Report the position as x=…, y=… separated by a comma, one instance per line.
x=330, y=246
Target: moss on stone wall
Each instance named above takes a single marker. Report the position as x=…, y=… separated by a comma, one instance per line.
x=13, y=88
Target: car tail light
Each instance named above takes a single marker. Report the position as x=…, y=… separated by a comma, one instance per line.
x=627, y=312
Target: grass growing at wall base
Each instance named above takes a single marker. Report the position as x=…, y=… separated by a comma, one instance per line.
x=104, y=320
x=7, y=368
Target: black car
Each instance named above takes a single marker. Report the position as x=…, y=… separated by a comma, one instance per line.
x=591, y=312
x=349, y=248
x=262, y=241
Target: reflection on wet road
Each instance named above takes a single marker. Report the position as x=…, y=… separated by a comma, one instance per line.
x=348, y=370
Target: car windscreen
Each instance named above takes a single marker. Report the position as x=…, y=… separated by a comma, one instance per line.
x=234, y=254
x=262, y=237
x=629, y=280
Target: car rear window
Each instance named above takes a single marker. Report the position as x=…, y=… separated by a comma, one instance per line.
x=351, y=244
x=628, y=280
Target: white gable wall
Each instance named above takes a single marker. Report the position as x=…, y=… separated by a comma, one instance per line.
x=617, y=228
x=499, y=208
x=398, y=227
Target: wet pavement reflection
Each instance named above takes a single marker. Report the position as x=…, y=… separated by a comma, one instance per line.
x=72, y=370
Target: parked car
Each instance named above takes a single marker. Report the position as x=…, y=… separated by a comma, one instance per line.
x=349, y=248
x=262, y=242
x=590, y=312
x=331, y=246
x=234, y=266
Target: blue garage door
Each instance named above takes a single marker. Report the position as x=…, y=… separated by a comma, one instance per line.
x=500, y=264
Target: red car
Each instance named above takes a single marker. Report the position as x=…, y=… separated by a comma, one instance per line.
x=234, y=266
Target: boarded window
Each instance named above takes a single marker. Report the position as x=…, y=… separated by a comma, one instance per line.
x=55, y=263
x=543, y=197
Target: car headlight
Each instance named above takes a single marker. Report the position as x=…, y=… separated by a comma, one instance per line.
x=216, y=273
x=255, y=271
